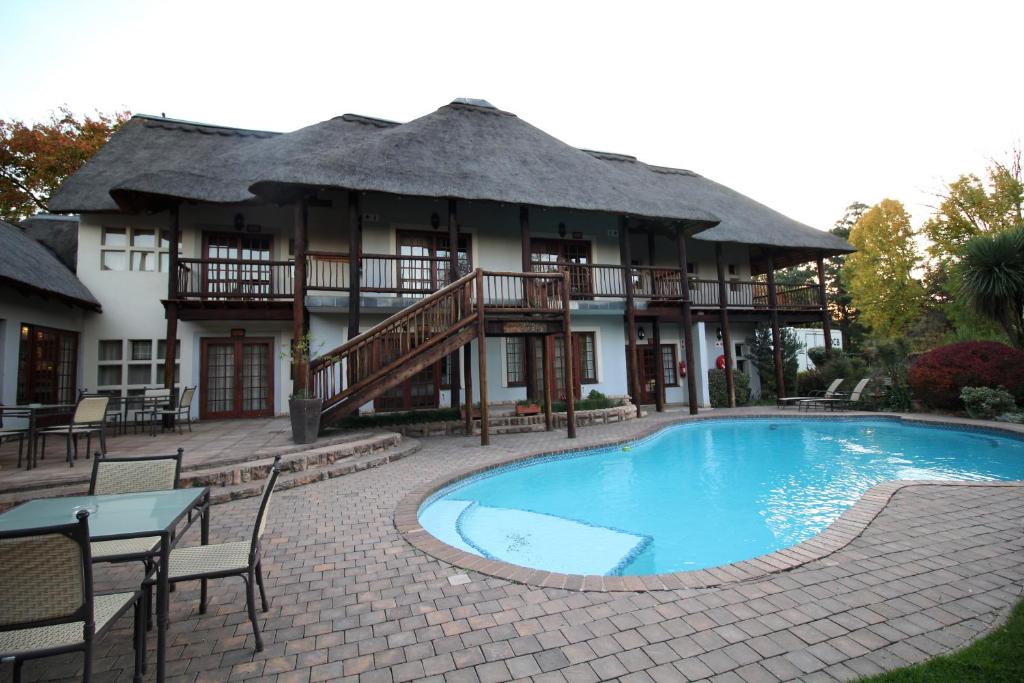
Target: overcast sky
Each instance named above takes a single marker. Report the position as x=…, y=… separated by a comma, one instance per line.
x=804, y=106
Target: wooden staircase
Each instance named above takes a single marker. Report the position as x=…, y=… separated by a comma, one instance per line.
x=474, y=306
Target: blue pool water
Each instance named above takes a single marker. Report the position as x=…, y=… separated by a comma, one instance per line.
x=700, y=494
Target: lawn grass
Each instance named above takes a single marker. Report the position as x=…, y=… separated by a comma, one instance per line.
x=997, y=657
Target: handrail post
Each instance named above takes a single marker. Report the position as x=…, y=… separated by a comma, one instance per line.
x=485, y=426
x=570, y=384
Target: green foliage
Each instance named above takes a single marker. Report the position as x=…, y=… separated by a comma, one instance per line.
x=762, y=357
x=718, y=390
x=996, y=658
x=986, y=403
x=992, y=280
x=880, y=274
x=891, y=360
x=595, y=400
x=1013, y=417
x=410, y=417
x=810, y=381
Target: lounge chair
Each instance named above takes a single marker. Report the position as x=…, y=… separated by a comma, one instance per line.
x=831, y=392
x=836, y=401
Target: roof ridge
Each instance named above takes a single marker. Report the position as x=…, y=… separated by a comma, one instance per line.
x=610, y=156
x=369, y=120
x=185, y=125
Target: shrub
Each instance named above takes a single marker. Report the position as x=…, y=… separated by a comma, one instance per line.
x=985, y=403
x=762, y=356
x=810, y=381
x=410, y=417
x=595, y=400
x=817, y=355
x=938, y=376
x=891, y=359
x=718, y=390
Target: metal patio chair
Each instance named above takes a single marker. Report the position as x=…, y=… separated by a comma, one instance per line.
x=220, y=560
x=132, y=475
x=90, y=417
x=831, y=392
x=153, y=400
x=183, y=409
x=48, y=605
x=839, y=401
x=11, y=433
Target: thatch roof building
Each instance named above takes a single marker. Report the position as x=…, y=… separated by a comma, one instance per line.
x=26, y=264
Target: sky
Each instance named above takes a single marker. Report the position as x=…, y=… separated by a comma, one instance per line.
x=804, y=106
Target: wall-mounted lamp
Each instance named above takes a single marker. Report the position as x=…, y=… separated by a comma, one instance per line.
x=561, y=229
x=718, y=333
x=640, y=334
x=435, y=221
x=239, y=221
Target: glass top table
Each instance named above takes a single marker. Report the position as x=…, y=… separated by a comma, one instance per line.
x=125, y=515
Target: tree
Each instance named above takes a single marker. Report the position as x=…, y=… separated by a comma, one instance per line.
x=992, y=279
x=762, y=357
x=880, y=274
x=35, y=160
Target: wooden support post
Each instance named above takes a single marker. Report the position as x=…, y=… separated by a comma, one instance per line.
x=659, y=375
x=453, y=275
x=355, y=260
x=300, y=366
x=773, y=307
x=627, y=263
x=467, y=368
x=826, y=315
x=532, y=390
x=485, y=426
x=171, y=340
x=570, y=381
x=684, y=283
x=723, y=312
x=546, y=362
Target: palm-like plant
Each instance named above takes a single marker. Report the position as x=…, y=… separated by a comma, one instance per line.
x=992, y=279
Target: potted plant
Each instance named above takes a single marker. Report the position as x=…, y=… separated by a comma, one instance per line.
x=303, y=407
x=527, y=407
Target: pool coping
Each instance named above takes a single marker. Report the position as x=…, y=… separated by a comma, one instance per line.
x=840, y=533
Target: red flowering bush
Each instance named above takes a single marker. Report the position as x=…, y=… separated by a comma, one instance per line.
x=938, y=376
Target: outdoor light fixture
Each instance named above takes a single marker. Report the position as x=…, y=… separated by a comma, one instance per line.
x=640, y=334
x=239, y=221
x=435, y=221
x=718, y=333
x=561, y=230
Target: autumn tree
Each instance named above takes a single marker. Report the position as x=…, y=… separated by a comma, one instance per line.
x=35, y=159
x=880, y=274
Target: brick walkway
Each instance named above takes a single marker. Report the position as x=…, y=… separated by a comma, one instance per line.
x=353, y=601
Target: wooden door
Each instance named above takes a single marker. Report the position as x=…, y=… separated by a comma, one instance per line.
x=556, y=366
x=571, y=255
x=419, y=267
x=236, y=378
x=648, y=366
x=240, y=266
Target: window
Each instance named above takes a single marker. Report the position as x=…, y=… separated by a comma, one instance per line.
x=47, y=365
x=550, y=255
x=584, y=358
x=669, y=368
x=137, y=369
x=586, y=349
x=139, y=249
x=424, y=259
x=515, y=361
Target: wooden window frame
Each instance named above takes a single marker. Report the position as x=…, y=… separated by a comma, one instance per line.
x=521, y=369
x=28, y=379
x=675, y=364
x=433, y=237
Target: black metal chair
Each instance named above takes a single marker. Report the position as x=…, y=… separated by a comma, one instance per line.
x=220, y=560
x=11, y=433
x=47, y=605
x=183, y=409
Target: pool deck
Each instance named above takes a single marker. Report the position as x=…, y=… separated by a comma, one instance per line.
x=937, y=566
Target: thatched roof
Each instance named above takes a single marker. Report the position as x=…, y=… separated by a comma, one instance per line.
x=27, y=264
x=467, y=150
x=58, y=233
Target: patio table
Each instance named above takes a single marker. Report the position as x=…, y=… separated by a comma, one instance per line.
x=149, y=405
x=128, y=515
x=32, y=413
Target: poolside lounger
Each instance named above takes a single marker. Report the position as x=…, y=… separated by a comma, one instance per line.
x=831, y=392
x=833, y=403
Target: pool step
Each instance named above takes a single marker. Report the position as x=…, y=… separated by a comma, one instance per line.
x=244, y=479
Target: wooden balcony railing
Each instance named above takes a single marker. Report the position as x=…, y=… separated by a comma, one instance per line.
x=417, y=276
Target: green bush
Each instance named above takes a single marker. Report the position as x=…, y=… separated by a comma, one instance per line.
x=761, y=355
x=810, y=381
x=985, y=403
x=595, y=400
x=410, y=417
x=718, y=390
x=817, y=355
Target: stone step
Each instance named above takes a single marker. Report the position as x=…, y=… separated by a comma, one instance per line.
x=243, y=479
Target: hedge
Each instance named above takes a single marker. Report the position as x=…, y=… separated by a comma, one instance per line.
x=938, y=376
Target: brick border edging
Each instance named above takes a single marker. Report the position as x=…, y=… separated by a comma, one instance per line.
x=840, y=533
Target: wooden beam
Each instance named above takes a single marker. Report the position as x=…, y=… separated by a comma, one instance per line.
x=773, y=309
x=627, y=261
x=532, y=390
x=826, y=315
x=546, y=362
x=467, y=367
x=171, y=338
x=453, y=275
x=300, y=365
x=659, y=375
x=570, y=384
x=687, y=323
x=723, y=314
x=481, y=354
x=355, y=261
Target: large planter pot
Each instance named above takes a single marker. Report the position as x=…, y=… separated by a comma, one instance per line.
x=532, y=409
x=305, y=416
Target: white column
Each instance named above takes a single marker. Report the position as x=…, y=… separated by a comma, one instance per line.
x=704, y=362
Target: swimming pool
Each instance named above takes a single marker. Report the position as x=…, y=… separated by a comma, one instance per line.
x=700, y=494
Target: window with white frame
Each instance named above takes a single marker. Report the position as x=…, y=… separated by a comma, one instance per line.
x=138, y=249
x=128, y=366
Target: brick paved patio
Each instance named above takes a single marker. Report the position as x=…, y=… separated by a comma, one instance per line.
x=353, y=601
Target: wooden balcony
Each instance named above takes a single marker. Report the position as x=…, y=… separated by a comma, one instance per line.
x=211, y=288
